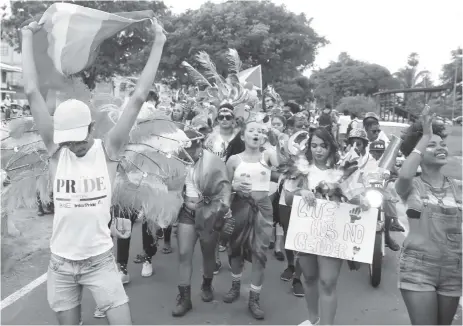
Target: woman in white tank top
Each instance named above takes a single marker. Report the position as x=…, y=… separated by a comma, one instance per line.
x=320, y=273
x=250, y=173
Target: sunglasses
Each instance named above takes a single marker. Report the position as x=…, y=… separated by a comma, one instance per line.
x=225, y=117
x=376, y=131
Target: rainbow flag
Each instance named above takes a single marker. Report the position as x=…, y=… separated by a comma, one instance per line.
x=71, y=36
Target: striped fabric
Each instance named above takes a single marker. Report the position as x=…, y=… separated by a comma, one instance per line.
x=70, y=38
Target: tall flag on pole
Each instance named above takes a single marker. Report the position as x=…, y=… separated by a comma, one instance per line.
x=252, y=75
x=71, y=36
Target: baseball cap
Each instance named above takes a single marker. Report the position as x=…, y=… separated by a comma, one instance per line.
x=371, y=115
x=378, y=145
x=71, y=121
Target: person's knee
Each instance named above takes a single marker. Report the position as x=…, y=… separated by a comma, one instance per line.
x=327, y=286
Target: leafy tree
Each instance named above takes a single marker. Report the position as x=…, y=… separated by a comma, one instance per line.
x=116, y=55
x=347, y=77
x=299, y=89
x=263, y=33
x=451, y=69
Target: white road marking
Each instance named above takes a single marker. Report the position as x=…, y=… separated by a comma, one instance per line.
x=12, y=298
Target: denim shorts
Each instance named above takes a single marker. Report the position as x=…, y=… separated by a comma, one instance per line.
x=186, y=216
x=66, y=279
x=423, y=273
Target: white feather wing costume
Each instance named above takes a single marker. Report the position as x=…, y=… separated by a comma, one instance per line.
x=150, y=174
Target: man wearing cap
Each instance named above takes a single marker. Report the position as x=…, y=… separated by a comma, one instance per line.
x=83, y=171
x=369, y=163
x=373, y=129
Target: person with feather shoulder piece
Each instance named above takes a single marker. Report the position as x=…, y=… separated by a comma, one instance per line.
x=203, y=216
x=83, y=172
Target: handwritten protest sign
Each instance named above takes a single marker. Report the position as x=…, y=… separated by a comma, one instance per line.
x=332, y=229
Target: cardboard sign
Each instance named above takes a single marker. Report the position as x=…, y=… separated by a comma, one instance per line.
x=332, y=229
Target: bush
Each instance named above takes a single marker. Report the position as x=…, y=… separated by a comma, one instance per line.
x=356, y=104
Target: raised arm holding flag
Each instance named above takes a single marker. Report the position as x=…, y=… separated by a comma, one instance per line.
x=83, y=168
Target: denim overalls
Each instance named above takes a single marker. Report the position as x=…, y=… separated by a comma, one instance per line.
x=432, y=252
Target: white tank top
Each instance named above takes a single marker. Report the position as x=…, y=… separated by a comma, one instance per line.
x=82, y=198
x=190, y=187
x=257, y=173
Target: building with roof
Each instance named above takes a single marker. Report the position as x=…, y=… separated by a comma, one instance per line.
x=11, y=76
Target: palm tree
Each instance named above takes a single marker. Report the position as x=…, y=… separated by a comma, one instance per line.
x=409, y=76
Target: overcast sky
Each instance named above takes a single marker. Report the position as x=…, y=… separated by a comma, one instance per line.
x=382, y=32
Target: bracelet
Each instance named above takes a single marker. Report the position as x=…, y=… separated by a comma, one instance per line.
x=417, y=152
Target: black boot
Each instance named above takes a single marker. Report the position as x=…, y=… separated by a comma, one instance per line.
x=207, y=293
x=234, y=292
x=254, y=305
x=183, y=301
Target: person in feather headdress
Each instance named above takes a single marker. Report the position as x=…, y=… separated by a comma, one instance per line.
x=271, y=99
x=83, y=170
x=206, y=204
x=230, y=97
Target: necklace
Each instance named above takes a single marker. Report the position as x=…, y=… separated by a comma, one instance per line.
x=438, y=192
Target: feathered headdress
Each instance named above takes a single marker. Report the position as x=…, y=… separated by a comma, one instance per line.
x=270, y=92
x=153, y=165
x=216, y=87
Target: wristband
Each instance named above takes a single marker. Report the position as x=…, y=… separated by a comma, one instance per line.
x=417, y=152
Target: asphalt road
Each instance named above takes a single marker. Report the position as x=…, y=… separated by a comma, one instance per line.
x=151, y=299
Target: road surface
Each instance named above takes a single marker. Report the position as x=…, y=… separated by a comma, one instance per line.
x=151, y=299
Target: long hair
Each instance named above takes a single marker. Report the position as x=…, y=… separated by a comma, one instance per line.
x=413, y=134
x=237, y=145
x=328, y=139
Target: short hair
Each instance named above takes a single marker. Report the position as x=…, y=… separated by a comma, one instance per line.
x=227, y=106
x=369, y=122
x=281, y=118
x=293, y=107
x=413, y=134
x=346, y=112
x=328, y=106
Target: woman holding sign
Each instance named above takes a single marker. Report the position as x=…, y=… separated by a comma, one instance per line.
x=250, y=173
x=320, y=273
x=430, y=276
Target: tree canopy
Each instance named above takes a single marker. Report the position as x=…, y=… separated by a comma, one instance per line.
x=348, y=77
x=263, y=34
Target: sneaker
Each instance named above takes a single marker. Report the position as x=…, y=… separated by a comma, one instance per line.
x=98, y=313
x=218, y=266
x=147, y=269
x=287, y=274
x=298, y=290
